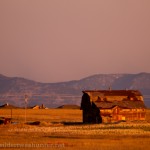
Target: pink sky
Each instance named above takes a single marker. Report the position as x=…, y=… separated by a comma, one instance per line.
x=61, y=40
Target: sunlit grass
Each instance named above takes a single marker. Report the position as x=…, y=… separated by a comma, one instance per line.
x=59, y=126
x=51, y=115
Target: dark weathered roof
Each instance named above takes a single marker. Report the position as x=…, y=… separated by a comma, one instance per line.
x=69, y=107
x=124, y=103
x=114, y=92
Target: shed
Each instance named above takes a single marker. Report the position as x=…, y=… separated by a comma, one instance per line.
x=39, y=107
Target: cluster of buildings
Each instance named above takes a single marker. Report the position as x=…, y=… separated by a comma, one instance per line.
x=9, y=106
x=107, y=106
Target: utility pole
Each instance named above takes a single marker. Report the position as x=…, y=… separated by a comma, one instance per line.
x=26, y=101
x=11, y=113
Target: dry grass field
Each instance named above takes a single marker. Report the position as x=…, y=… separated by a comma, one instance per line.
x=63, y=129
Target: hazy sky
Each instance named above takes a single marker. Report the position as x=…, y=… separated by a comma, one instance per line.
x=61, y=40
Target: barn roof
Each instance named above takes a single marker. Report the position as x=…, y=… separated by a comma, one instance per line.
x=101, y=98
x=114, y=92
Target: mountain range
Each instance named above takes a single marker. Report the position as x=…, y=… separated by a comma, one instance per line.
x=14, y=89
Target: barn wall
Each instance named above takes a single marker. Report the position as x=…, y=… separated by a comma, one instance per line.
x=91, y=113
x=118, y=114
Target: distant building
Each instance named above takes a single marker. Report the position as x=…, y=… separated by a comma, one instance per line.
x=8, y=106
x=114, y=105
x=69, y=107
x=39, y=107
x=36, y=107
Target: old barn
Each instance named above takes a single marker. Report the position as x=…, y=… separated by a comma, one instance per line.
x=112, y=106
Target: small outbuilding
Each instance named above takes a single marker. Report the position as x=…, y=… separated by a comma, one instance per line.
x=39, y=107
x=112, y=105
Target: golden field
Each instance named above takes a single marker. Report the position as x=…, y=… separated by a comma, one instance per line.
x=63, y=129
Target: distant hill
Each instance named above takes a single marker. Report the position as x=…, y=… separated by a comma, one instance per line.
x=13, y=89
